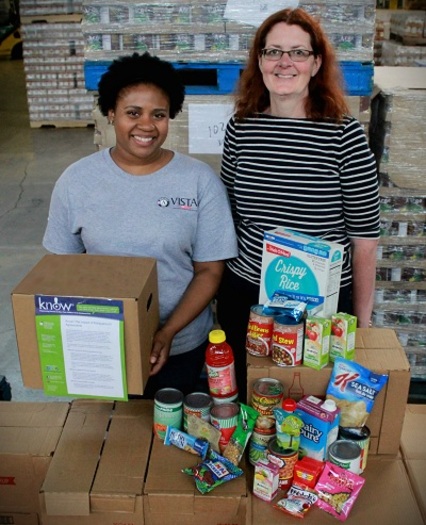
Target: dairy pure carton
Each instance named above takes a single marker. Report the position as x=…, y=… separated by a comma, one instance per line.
x=305, y=267
x=320, y=426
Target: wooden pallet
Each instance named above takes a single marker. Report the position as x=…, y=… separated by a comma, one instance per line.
x=51, y=19
x=62, y=123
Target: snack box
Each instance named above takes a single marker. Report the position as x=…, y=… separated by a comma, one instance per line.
x=306, y=267
x=317, y=342
x=342, y=340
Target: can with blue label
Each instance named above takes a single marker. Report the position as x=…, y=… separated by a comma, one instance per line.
x=168, y=410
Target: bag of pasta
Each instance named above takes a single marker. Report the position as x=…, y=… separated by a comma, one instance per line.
x=354, y=389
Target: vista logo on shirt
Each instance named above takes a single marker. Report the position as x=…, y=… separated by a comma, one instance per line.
x=182, y=203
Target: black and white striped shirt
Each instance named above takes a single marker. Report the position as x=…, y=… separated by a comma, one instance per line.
x=318, y=178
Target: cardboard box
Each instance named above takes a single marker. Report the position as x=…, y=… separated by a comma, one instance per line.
x=97, y=474
x=413, y=449
x=29, y=434
x=305, y=266
x=130, y=279
x=379, y=350
x=171, y=497
x=385, y=499
x=19, y=519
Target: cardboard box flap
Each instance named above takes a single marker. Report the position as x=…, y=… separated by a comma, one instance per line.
x=122, y=468
x=71, y=473
x=165, y=474
x=35, y=442
x=376, y=338
x=56, y=275
x=416, y=469
x=413, y=437
x=33, y=414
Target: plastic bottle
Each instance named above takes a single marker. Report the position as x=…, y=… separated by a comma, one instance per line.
x=220, y=367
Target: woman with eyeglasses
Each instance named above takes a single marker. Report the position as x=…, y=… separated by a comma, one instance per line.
x=294, y=158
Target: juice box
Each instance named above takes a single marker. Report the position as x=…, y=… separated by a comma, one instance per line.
x=266, y=480
x=317, y=342
x=307, y=268
x=342, y=339
x=320, y=426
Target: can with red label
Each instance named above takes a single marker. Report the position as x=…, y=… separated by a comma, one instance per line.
x=287, y=341
x=286, y=459
x=259, y=332
x=267, y=394
x=225, y=418
x=361, y=436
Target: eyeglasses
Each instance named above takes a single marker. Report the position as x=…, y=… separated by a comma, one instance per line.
x=295, y=55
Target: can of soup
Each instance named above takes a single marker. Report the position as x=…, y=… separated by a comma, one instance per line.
x=361, y=436
x=287, y=341
x=259, y=332
x=345, y=454
x=267, y=394
x=286, y=459
x=199, y=404
x=168, y=410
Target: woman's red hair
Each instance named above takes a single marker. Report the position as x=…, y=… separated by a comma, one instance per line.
x=326, y=93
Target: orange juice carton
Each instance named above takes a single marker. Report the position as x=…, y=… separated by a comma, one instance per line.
x=306, y=268
x=266, y=480
x=320, y=426
x=317, y=342
x=342, y=339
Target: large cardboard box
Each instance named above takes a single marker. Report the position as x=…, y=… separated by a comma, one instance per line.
x=29, y=434
x=130, y=279
x=97, y=474
x=171, y=497
x=19, y=519
x=379, y=350
x=385, y=499
x=413, y=449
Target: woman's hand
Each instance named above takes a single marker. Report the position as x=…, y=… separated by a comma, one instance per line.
x=200, y=292
x=364, y=256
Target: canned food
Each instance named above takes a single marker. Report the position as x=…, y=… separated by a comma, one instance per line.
x=345, y=454
x=267, y=395
x=285, y=459
x=259, y=332
x=361, y=436
x=199, y=404
x=225, y=418
x=262, y=434
x=167, y=410
x=287, y=341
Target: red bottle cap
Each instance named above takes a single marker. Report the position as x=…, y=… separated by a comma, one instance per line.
x=289, y=405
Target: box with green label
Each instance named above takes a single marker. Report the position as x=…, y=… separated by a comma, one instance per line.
x=86, y=318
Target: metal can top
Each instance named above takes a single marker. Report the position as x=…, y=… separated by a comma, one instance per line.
x=225, y=410
x=169, y=396
x=276, y=450
x=354, y=433
x=345, y=450
x=258, y=310
x=267, y=386
x=198, y=400
x=284, y=319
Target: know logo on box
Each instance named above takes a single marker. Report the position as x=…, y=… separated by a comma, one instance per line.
x=306, y=267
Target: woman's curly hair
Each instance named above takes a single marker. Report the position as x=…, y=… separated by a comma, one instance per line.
x=140, y=69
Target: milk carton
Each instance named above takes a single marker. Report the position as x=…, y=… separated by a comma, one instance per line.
x=320, y=426
x=305, y=267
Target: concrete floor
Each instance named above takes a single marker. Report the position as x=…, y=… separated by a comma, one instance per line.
x=30, y=162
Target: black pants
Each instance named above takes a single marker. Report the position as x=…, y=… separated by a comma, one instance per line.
x=234, y=299
x=182, y=371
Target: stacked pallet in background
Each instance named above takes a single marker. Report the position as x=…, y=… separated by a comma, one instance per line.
x=208, y=42
x=399, y=136
x=53, y=52
x=407, y=40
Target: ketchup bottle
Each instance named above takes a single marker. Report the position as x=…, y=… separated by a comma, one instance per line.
x=220, y=367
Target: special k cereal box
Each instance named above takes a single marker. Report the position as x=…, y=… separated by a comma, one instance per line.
x=342, y=339
x=317, y=342
x=306, y=267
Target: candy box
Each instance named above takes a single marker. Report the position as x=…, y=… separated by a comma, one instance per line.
x=342, y=340
x=307, y=268
x=266, y=480
x=317, y=342
x=320, y=426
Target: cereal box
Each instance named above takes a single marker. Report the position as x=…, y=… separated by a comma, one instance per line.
x=342, y=339
x=317, y=342
x=307, y=268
